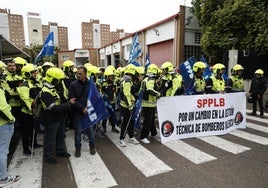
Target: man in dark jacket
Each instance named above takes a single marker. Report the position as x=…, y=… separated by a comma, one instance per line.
x=78, y=96
x=257, y=89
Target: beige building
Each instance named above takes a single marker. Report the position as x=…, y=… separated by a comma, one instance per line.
x=174, y=39
x=34, y=28
x=11, y=27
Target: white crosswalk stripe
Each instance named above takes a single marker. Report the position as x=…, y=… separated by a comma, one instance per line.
x=257, y=127
x=189, y=152
x=91, y=171
x=149, y=165
x=251, y=137
x=257, y=118
x=224, y=144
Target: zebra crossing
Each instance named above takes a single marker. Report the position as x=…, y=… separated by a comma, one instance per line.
x=92, y=171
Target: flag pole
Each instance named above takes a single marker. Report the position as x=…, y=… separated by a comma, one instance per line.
x=125, y=132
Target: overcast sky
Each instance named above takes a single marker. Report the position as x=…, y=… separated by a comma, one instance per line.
x=120, y=14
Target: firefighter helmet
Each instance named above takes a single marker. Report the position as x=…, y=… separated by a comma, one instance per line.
x=27, y=70
x=54, y=75
x=130, y=69
x=67, y=65
x=153, y=69
x=19, y=61
x=199, y=66
x=259, y=71
x=217, y=68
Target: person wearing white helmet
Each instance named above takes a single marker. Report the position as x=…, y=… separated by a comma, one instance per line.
x=256, y=91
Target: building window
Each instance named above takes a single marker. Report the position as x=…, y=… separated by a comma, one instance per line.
x=192, y=51
x=197, y=38
x=65, y=57
x=35, y=30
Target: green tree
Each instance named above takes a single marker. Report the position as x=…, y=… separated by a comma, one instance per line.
x=224, y=20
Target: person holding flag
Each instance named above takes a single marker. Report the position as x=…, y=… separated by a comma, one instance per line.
x=78, y=98
x=149, y=98
x=127, y=101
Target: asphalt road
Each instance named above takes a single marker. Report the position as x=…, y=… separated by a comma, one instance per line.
x=246, y=169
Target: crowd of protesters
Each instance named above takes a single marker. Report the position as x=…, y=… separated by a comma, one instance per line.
x=64, y=95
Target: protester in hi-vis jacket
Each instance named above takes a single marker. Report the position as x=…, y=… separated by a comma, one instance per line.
x=6, y=131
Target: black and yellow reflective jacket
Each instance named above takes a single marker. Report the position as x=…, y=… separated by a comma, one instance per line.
x=127, y=93
x=150, y=92
x=52, y=104
x=13, y=82
x=235, y=83
x=27, y=92
x=5, y=109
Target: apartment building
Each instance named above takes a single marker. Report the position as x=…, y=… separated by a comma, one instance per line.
x=60, y=35
x=11, y=27
x=94, y=34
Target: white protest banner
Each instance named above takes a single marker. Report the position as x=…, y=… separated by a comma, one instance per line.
x=200, y=115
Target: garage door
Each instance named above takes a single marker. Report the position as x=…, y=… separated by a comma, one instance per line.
x=161, y=52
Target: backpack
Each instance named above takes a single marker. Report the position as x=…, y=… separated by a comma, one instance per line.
x=37, y=106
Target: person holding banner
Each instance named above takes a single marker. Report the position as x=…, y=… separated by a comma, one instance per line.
x=215, y=83
x=149, y=98
x=127, y=101
x=235, y=83
x=78, y=98
x=54, y=115
x=199, y=81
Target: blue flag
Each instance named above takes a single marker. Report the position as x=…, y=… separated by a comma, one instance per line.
x=186, y=70
x=207, y=72
x=48, y=48
x=137, y=110
x=135, y=49
x=135, y=63
x=110, y=109
x=147, y=63
x=95, y=107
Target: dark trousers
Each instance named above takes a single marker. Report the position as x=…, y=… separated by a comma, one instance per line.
x=112, y=118
x=148, y=122
x=260, y=102
x=54, y=137
x=90, y=132
x=127, y=123
x=27, y=130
